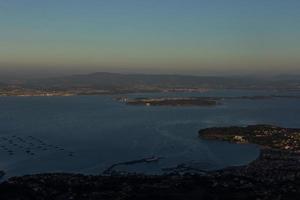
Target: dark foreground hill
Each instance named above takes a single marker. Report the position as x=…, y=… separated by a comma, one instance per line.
x=274, y=175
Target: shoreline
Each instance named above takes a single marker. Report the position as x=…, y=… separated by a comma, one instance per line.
x=275, y=174
x=27, y=92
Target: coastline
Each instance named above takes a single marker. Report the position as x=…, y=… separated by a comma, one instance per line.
x=275, y=174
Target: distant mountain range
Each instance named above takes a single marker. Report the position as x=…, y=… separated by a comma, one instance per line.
x=148, y=82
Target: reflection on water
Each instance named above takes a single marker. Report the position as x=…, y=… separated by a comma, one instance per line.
x=87, y=134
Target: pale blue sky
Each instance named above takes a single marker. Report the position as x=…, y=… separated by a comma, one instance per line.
x=158, y=36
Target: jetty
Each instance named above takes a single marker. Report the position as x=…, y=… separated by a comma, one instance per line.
x=144, y=160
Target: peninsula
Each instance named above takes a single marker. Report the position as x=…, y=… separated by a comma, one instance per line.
x=267, y=136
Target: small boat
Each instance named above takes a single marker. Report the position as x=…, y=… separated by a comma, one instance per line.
x=152, y=159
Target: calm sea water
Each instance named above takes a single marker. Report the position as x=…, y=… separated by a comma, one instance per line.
x=87, y=134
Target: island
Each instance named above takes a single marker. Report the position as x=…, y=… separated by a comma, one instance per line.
x=169, y=101
x=193, y=101
x=275, y=174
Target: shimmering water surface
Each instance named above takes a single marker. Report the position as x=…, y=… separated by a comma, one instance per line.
x=87, y=134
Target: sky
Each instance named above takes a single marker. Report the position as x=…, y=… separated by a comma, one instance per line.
x=150, y=36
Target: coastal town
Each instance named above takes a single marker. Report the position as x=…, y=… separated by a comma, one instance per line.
x=16, y=90
x=267, y=136
x=28, y=93
x=23, y=92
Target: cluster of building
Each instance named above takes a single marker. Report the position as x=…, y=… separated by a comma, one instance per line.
x=274, y=173
x=27, y=92
x=263, y=135
x=280, y=138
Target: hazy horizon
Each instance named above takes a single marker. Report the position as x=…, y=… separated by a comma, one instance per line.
x=193, y=37
x=16, y=75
